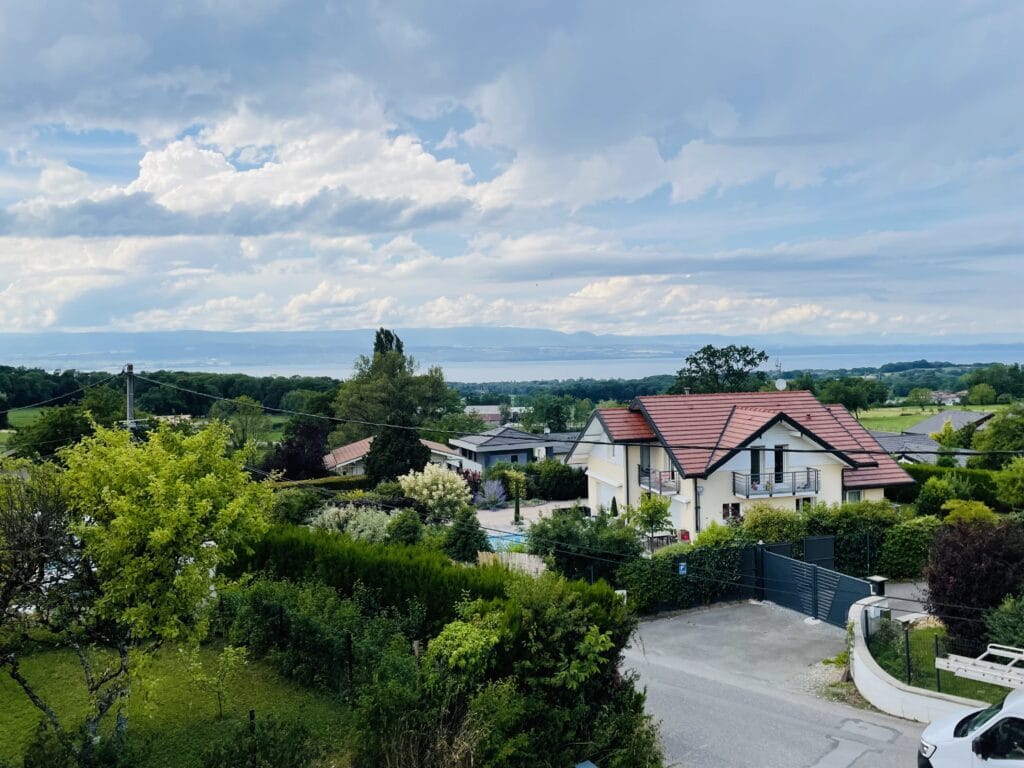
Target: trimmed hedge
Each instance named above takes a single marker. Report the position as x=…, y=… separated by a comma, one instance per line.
x=982, y=483
x=396, y=573
x=860, y=529
x=906, y=546
x=713, y=573
x=336, y=483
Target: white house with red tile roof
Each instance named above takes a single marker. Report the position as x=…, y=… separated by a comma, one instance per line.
x=714, y=455
x=350, y=459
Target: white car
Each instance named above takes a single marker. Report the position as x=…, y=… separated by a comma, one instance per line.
x=991, y=737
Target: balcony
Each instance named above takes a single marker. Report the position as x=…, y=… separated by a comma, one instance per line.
x=663, y=481
x=764, y=485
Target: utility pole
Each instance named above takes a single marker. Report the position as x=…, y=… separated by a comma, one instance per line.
x=129, y=383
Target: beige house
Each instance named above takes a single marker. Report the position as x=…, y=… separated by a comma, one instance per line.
x=715, y=455
x=351, y=459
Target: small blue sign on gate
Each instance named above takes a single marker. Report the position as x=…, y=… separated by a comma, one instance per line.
x=682, y=569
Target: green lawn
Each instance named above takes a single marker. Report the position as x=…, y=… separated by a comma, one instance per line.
x=898, y=419
x=922, y=668
x=24, y=417
x=175, y=721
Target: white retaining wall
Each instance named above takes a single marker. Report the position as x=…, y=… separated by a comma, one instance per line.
x=886, y=692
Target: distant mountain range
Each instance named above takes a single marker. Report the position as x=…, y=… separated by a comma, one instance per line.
x=332, y=352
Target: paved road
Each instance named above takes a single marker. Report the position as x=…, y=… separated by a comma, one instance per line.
x=734, y=688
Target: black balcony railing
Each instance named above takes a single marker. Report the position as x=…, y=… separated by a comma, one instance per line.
x=798, y=482
x=664, y=481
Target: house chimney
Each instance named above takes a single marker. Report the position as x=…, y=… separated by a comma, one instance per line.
x=547, y=430
x=686, y=390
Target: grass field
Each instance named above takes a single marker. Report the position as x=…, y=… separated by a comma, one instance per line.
x=173, y=720
x=898, y=419
x=922, y=668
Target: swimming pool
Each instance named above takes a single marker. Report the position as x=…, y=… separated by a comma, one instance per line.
x=502, y=541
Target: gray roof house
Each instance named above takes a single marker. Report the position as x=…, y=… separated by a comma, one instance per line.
x=958, y=419
x=509, y=444
x=908, y=448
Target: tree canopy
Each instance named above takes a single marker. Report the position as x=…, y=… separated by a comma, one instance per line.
x=721, y=369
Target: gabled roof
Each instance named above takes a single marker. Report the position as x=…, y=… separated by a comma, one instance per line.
x=919, y=449
x=701, y=432
x=352, y=452
x=622, y=424
x=502, y=439
x=958, y=419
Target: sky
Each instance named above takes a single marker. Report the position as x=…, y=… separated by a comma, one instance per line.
x=635, y=168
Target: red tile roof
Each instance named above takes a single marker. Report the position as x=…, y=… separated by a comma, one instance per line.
x=702, y=431
x=624, y=424
x=357, y=450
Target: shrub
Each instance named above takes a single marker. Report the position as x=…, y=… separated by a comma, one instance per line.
x=389, y=489
x=555, y=480
x=405, y=527
x=272, y=743
x=1010, y=484
x=472, y=478
x=363, y=523
x=763, y=522
x=333, y=483
x=579, y=547
x=715, y=535
x=676, y=550
x=1005, y=623
x=465, y=538
x=713, y=573
x=906, y=546
x=972, y=568
x=859, y=528
x=440, y=490
x=399, y=573
x=934, y=493
x=980, y=484
x=491, y=495
x=960, y=511
x=295, y=505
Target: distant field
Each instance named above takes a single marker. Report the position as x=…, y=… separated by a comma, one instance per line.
x=23, y=417
x=898, y=419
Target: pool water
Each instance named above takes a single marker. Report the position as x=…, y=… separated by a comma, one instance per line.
x=501, y=541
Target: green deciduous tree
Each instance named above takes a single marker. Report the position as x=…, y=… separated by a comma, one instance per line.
x=216, y=681
x=245, y=416
x=1003, y=432
x=650, y=516
x=853, y=392
x=721, y=369
x=1010, y=484
x=147, y=526
x=981, y=394
x=921, y=396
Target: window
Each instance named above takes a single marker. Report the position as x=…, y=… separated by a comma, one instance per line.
x=802, y=504
x=1007, y=739
x=514, y=458
x=852, y=496
x=730, y=511
x=780, y=463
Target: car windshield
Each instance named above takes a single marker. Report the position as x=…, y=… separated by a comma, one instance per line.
x=973, y=722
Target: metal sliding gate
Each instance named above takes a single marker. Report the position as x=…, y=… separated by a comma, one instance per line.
x=811, y=589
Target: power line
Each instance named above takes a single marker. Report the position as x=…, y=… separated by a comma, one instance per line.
x=542, y=439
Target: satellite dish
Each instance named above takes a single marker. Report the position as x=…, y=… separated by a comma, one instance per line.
x=780, y=384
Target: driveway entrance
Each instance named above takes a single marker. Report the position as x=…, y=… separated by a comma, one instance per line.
x=735, y=686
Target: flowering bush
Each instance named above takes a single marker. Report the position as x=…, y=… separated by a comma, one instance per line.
x=363, y=523
x=440, y=490
x=491, y=495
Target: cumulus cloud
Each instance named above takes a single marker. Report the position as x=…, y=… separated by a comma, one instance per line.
x=582, y=166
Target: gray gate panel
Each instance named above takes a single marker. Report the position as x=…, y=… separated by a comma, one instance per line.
x=814, y=591
x=820, y=550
